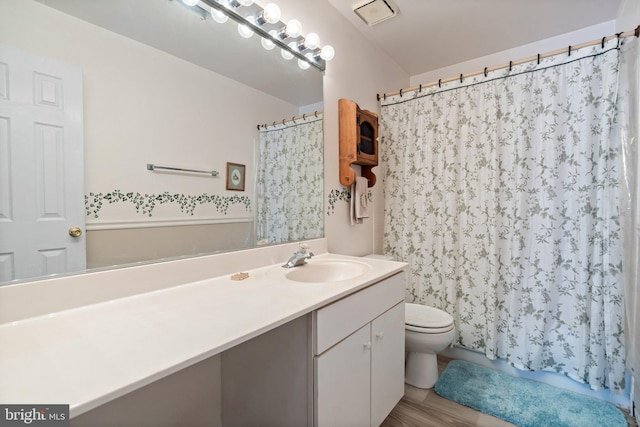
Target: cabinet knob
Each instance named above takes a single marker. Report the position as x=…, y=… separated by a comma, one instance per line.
x=380, y=335
x=368, y=345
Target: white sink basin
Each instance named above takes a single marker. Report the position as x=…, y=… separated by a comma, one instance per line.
x=327, y=271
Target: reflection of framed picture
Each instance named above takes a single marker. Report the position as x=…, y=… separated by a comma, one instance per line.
x=235, y=176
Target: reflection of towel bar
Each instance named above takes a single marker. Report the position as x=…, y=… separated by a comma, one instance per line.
x=152, y=167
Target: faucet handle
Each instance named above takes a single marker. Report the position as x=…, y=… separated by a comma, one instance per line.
x=304, y=247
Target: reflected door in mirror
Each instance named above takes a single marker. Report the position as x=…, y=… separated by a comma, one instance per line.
x=41, y=166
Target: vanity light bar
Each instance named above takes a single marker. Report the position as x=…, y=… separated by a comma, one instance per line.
x=315, y=60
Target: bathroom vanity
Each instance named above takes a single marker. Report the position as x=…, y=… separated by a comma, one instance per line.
x=277, y=348
x=359, y=355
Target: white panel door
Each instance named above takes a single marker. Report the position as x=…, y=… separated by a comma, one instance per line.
x=343, y=382
x=41, y=166
x=387, y=363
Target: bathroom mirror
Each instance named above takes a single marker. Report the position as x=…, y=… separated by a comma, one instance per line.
x=165, y=84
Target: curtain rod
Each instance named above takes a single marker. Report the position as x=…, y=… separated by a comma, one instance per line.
x=510, y=64
x=292, y=119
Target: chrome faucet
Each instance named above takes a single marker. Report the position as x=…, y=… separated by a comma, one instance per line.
x=299, y=258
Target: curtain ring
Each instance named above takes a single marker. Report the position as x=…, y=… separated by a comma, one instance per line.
x=400, y=93
x=274, y=123
x=603, y=39
x=538, y=59
x=618, y=35
x=316, y=114
x=420, y=88
x=439, y=83
x=293, y=119
x=569, y=50
x=385, y=96
x=637, y=31
x=485, y=71
x=283, y=122
x=460, y=77
x=510, y=65
x=378, y=96
x=304, y=117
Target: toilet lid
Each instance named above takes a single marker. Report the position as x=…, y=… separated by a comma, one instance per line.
x=424, y=316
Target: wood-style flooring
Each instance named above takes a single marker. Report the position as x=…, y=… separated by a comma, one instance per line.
x=424, y=408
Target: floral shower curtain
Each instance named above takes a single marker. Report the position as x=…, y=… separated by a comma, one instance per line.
x=503, y=193
x=289, y=190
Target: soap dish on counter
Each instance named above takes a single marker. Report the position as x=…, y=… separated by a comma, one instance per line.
x=239, y=276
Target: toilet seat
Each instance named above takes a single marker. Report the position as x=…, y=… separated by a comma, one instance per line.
x=427, y=320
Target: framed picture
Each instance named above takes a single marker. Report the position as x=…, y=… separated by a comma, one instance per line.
x=235, y=176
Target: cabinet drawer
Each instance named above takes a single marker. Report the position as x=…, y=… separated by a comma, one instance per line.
x=336, y=321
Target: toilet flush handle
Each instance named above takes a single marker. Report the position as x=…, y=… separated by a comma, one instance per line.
x=380, y=335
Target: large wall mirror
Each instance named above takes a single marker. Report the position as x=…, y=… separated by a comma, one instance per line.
x=147, y=82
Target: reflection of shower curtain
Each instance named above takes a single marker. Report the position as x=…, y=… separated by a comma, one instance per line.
x=504, y=194
x=289, y=181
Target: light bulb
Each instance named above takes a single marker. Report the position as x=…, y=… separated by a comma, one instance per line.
x=312, y=41
x=327, y=52
x=244, y=29
x=268, y=44
x=294, y=28
x=304, y=64
x=286, y=54
x=271, y=13
x=190, y=2
x=218, y=16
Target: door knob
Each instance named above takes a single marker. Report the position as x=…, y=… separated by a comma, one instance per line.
x=75, y=232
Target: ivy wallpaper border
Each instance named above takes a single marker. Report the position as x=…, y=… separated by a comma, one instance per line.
x=343, y=195
x=146, y=203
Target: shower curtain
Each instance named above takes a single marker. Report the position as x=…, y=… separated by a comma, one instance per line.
x=504, y=193
x=289, y=190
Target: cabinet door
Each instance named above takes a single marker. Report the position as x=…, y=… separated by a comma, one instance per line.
x=343, y=382
x=387, y=363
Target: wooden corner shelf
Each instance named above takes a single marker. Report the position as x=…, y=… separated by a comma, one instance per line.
x=358, y=142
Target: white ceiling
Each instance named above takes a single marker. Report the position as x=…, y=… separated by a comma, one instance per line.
x=429, y=34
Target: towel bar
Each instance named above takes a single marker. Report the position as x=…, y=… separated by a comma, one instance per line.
x=152, y=167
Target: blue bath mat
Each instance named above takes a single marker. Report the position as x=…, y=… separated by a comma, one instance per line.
x=523, y=402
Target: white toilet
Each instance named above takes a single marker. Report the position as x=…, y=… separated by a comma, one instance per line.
x=428, y=331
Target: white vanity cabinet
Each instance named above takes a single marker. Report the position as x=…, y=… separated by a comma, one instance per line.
x=359, y=356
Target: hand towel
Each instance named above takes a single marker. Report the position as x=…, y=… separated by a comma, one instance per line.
x=359, y=200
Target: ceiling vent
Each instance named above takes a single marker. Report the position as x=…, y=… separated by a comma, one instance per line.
x=375, y=11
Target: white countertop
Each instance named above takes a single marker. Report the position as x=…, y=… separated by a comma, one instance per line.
x=90, y=355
